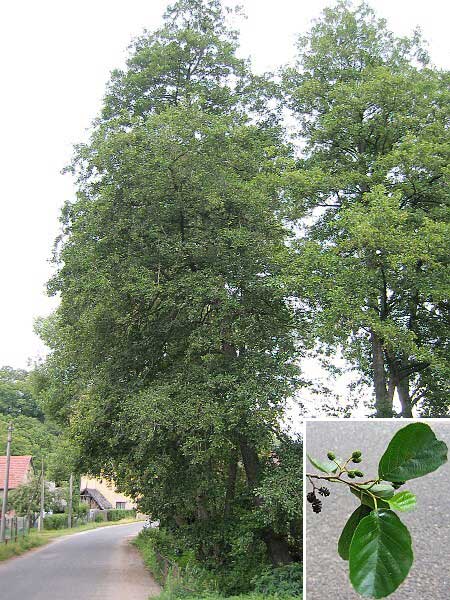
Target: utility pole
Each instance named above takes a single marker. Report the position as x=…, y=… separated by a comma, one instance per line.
x=5, y=489
x=69, y=511
x=41, y=514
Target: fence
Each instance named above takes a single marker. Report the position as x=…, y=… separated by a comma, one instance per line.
x=16, y=528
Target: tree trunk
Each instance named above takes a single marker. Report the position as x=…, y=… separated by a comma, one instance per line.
x=231, y=484
x=277, y=546
x=180, y=520
x=404, y=397
x=202, y=511
x=383, y=405
x=251, y=462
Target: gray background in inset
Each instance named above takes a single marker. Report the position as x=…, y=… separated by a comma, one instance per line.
x=429, y=524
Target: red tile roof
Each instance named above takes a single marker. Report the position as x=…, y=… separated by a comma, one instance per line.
x=18, y=471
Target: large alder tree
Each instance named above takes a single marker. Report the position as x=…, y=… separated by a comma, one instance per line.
x=373, y=268
x=173, y=346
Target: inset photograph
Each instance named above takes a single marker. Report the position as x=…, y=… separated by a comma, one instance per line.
x=377, y=509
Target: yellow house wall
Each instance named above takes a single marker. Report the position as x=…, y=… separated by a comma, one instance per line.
x=108, y=490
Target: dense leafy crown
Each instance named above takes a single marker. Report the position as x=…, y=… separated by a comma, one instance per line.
x=173, y=346
x=374, y=182
x=191, y=60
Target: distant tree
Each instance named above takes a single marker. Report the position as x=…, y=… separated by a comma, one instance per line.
x=16, y=397
x=26, y=499
x=373, y=268
x=30, y=436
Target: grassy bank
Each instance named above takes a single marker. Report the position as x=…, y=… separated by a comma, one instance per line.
x=182, y=577
x=40, y=538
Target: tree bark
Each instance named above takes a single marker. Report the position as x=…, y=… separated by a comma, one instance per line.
x=231, y=484
x=277, y=546
x=251, y=462
x=404, y=397
x=383, y=405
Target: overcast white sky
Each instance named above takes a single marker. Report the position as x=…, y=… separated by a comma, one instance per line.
x=56, y=57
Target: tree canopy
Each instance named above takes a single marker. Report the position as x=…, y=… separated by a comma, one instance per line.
x=203, y=254
x=373, y=267
x=16, y=396
x=173, y=345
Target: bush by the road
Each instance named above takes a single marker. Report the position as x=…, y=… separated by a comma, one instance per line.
x=58, y=521
x=286, y=581
x=117, y=514
x=182, y=576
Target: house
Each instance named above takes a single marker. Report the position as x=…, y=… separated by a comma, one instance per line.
x=101, y=494
x=20, y=471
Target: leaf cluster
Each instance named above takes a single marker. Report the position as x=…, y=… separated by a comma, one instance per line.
x=376, y=543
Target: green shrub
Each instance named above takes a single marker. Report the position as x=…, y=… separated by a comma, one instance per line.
x=58, y=521
x=189, y=579
x=116, y=514
x=284, y=582
x=82, y=509
x=99, y=518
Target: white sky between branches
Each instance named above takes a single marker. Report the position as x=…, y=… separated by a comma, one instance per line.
x=55, y=61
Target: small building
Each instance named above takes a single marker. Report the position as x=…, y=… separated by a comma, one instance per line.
x=20, y=471
x=101, y=494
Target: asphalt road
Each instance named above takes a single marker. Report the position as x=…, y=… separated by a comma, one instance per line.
x=100, y=564
x=429, y=524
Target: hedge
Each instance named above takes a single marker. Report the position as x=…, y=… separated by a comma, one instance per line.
x=58, y=521
x=117, y=514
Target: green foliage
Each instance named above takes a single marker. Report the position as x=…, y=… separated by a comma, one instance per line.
x=280, y=488
x=324, y=466
x=281, y=582
x=57, y=521
x=380, y=540
x=82, y=509
x=374, y=540
x=30, y=437
x=183, y=576
x=372, y=266
x=185, y=62
x=349, y=529
x=413, y=452
x=172, y=564
x=366, y=493
x=25, y=499
x=403, y=501
x=33, y=434
x=117, y=514
x=22, y=545
x=16, y=394
x=173, y=348
x=99, y=518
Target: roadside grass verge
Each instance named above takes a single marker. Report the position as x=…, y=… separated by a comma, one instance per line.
x=40, y=538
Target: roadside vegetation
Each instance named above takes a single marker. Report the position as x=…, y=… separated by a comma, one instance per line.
x=182, y=576
x=39, y=538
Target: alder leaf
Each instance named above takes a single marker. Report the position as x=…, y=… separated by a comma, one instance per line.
x=349, y=529
x=414, y=451
x=324, y=466
x=380, y=554
x=403, y=501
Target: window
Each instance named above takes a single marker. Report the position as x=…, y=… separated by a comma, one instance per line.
x=120, y=505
